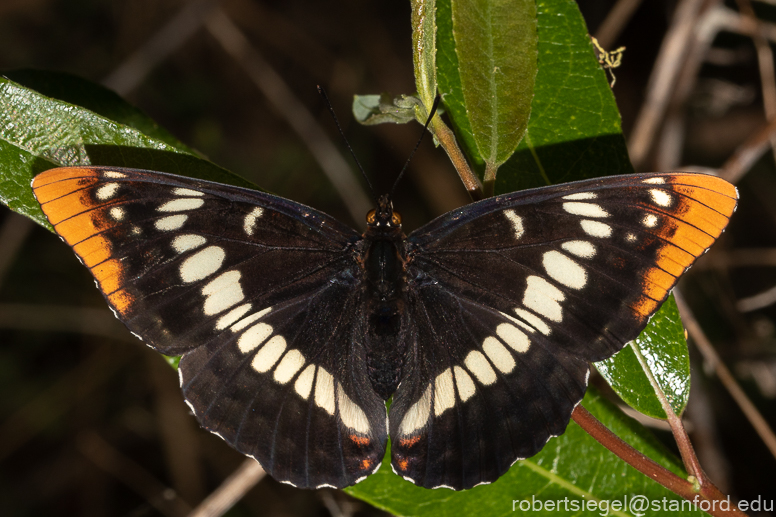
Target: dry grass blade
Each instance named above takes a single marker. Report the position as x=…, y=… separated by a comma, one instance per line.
x=231, y=490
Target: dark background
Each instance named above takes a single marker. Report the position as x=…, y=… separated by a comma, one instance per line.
x=90, y=419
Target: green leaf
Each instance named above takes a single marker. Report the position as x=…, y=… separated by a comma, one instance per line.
x=424, y=52
x=94, y=97
x=572, y=466
x=38, y=132
x=663, y=348
x=370, y=110
x=495, y=41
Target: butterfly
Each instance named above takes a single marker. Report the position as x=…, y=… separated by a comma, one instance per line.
x=294, y=329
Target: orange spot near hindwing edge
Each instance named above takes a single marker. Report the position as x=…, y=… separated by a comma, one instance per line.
x=409, y=442
x=359, y=440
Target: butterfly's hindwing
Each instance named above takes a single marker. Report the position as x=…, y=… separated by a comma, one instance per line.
x=479, y=392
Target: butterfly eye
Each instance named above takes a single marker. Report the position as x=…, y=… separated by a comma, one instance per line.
x=396, y=218
x=370, y=217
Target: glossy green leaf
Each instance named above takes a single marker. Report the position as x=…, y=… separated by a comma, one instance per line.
x=663, y=348
x=424, y=51
x=94, y=97
x=572, y=466
x=574, y=130
x=495, y=42
x=38, y=132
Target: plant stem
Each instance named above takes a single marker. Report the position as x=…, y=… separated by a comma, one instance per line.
x=646, y=466
x=446, y=138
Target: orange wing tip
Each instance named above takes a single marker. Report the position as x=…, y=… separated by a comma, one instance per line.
x=63, y=173
x=713, y=183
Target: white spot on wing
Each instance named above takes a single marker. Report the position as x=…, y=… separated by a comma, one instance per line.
x=291, y=363
x=222, y=292
x=581, y=195
x=324, y=390
x=304, y=383
x=517, y=222
x=582, y=249
x=114, y=174
x=202, y=264
x=660, y=197
x=655, y=181
x=596, y=228
x=232, y=316
x=170, y=223
x=253, y=337
x=187, y=192
x=444, y=392
x=564, y=270
x=117, y=213
x=514, y=337
x=480, y=367
x=249, y=319
x=269, y=354
x=187, y=242
x=250, y=219
x=534, y=322
x=463, y=383
x=585, y=209
x=542, y=297
x=350, y=414
x=649, y=220
x=498, y=354
x=106, y=191
x=181, y=205
x=417, y=415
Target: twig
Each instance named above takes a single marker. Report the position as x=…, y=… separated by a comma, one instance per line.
x=686, y=450
x=294, y=112
x=665, y=72
x=615, y=22
x=131, y=474
x=167, y=40
x=726, y=378
x=643, y=464
x=448, y=142
x=748, y=153
x=765, y=63
x=757, y=301
x=231, y=490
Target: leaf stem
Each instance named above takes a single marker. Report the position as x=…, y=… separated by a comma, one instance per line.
x=648, y=467
x=446, y=138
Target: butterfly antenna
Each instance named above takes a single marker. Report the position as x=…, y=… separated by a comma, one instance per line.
x=322, y=92
x=425, y=127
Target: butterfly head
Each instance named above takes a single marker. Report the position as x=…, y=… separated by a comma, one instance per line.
x=383, y=216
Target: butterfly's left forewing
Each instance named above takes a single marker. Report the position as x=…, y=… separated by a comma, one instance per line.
x=511, y=297
x=257, y=293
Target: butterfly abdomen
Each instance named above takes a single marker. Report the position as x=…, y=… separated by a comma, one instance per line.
x=385, y=308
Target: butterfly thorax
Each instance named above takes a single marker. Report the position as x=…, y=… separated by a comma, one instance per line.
x=383, y=262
